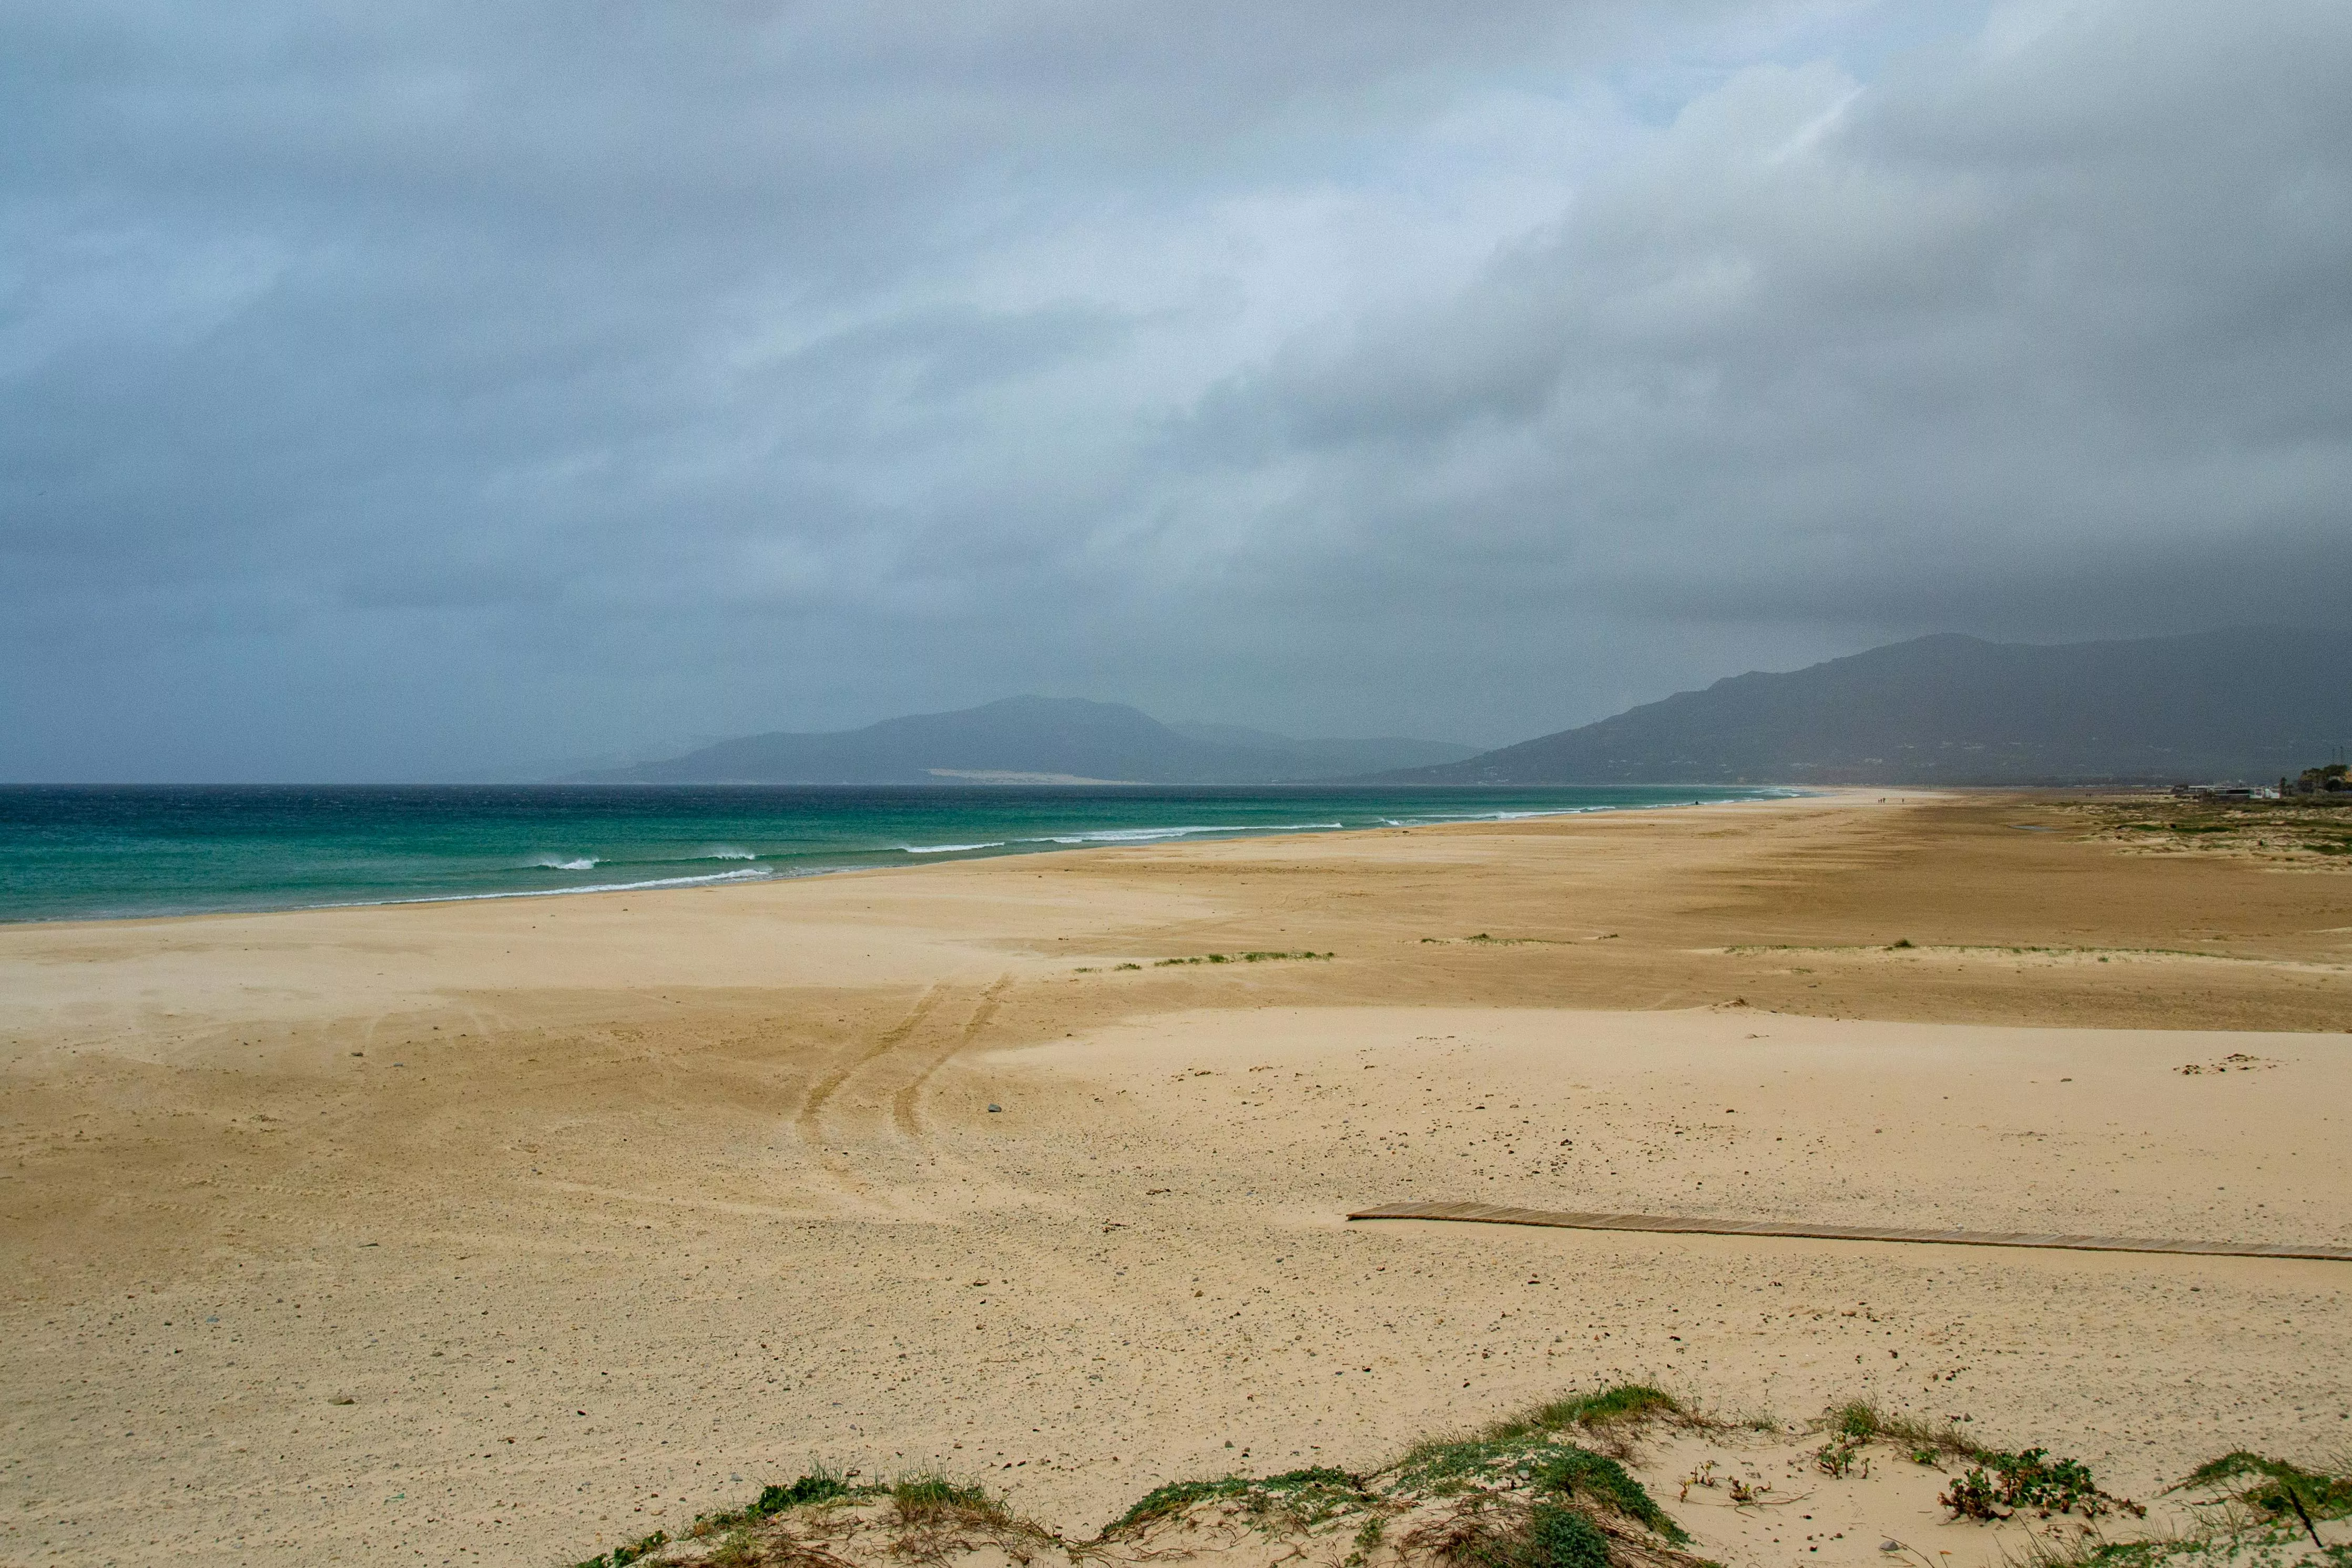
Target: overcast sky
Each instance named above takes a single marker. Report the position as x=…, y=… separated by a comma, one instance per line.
x=390, y=390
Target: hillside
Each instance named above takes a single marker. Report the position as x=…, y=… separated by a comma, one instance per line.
x=1951, y=710
x=1031, y=739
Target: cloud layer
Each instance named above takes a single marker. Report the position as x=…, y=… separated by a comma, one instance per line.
x=386, y=391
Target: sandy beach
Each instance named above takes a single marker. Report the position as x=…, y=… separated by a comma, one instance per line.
x=501, y=1232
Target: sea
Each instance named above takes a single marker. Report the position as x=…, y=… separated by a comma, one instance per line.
x=79, y=853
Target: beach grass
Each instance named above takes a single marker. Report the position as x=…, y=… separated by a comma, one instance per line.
x=1533, y=1490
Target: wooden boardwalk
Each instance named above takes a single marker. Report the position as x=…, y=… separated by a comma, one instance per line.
x=1494, y=1213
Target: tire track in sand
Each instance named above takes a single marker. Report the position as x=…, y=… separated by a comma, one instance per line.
x=805, y=1122
x=902, y=1103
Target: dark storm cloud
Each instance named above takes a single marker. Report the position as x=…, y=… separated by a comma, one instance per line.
x=388, y=389
x=2041, y=334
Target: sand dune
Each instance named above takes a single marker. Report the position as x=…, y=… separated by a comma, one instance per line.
x=502, y=1232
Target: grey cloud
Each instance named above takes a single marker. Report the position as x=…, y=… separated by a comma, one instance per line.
x=2041, y=340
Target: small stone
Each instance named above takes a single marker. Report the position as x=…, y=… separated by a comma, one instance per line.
x=994, y=1109
x=343, y=1399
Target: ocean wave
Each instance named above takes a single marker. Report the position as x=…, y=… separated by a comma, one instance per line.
x=559, y=863
x=1123, y=834
x=952, y=849
x=747, y=874
x=1436, y=820
x=724, y=852
x=1151, y=834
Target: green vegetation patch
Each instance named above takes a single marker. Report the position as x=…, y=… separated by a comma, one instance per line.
x=1625, y=1402
x=622, y=1556
x=1528, y=1453
x=936, y=1492
x=1562, y=1538
x=1239, y=958
x=1522, y=1493
x=1996, y=1485
x=1859, y=1421
x=2263, y=1516
x=1578, y=1472
x=819, y=1486
x=1306, y=1498
x=2273, y=1485
x=2002, y=1484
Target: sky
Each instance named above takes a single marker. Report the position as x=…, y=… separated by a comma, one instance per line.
x=398, y=390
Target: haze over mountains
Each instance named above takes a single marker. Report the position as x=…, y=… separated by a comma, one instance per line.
x=1951, y=710
x=1941, y=710
x=1031, y=740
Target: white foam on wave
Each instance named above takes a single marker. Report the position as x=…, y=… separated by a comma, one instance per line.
x=724, y=852
x=1438, y=820
x=1151, y=834
x=952, y=849
x=1122, y=835
x=747, y=874
x=559, y=863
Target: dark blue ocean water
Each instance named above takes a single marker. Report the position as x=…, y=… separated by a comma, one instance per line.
x=91, y=853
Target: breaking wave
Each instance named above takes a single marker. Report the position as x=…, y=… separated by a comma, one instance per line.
x=1151, y=835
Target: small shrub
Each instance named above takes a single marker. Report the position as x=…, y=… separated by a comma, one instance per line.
x=1859, y=1420
x=1174, y=1498
x=1560, y=1537
x=1233, y=958
x=1302, y=1497
x=2004, y=1483
x=1842, y=1456
x=1574, y=1472
x=819, y=1485
x=2267, y=1483
x=622, y=1556
x=919, y=1492
x=1973, y=1496
x=1865, y=1422
x=1624, y=1402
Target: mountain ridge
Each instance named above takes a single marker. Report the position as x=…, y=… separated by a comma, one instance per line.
x=1956, y=710
x=1068, y=740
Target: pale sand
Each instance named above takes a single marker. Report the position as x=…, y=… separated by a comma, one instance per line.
x=636, y=1200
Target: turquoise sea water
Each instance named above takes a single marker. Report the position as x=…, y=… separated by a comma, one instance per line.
x=94, y=853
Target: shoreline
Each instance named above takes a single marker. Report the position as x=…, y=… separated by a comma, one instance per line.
x=947, y=854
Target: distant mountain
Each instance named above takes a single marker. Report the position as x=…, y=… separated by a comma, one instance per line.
x=1027, y=740
x=1958, y=710
x=546, y=768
